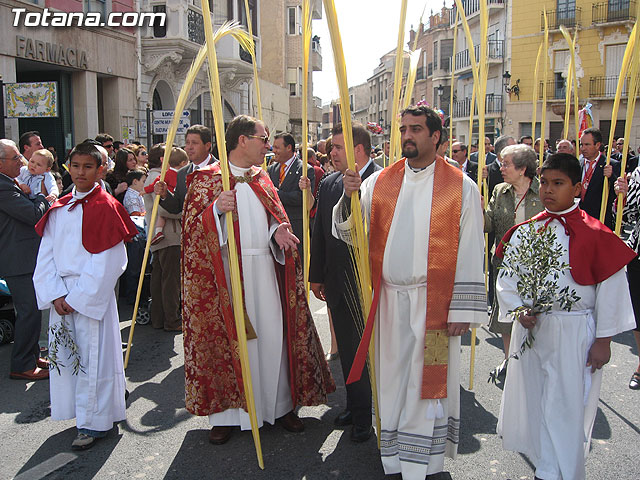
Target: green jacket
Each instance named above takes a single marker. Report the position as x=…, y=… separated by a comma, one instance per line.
x=499, y=215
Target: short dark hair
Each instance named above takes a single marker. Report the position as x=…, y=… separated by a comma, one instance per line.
x=154, y=160
x=360, y=135
x=565, y=163
x=524, y=137
x=287, y=138
x=103, y=137
x=117, y=144
x=595, y=133
x=135, y=174
x=433, y=120
x=241, y=125
x=87, y=149
x=203, y=132
x=25, y=139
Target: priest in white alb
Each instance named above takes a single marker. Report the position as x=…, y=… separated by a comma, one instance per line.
x=426, y=250
x=288, y=367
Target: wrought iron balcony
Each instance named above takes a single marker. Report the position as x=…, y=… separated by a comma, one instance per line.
x=556, y=89
x=569, y=17
x=195, y=26
x=495, y=50
x=605, y=87
x=614, y=11
x=472, y=7
x=492, y=105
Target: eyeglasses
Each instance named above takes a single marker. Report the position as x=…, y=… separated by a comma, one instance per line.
x=455, y=151
x=144, y=153
x=15, y=158
x=264, y=138
x=108, y=146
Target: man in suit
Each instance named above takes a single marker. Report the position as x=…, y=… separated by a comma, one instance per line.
x=632, y=161
x=19, y=245
x=594, y=169
x=332, y=277
x=285, y=173
x=30, y=142
x=198, y=148
x=459, y=154
x=489, y=156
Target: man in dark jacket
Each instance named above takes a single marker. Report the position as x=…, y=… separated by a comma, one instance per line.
x=332, y=277
x=19, y=245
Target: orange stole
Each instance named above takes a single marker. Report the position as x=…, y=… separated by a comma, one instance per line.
x=444, y=233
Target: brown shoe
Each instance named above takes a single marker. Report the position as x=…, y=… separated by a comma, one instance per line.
x=31, y=375
x=220, y=435
x=42, y=363
x=292, y=422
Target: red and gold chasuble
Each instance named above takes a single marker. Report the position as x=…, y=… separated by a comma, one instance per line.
x=444, y=229
x=213, y=376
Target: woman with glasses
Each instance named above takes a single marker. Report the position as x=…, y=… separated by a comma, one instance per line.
x=512, y=202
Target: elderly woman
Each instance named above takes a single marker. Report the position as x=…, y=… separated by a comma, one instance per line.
x=512, y=202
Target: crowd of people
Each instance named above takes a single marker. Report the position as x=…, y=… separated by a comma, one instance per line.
x=71, y=230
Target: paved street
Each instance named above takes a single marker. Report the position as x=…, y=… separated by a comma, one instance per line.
x=160, y=439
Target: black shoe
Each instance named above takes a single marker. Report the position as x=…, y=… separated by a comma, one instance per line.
x=439, y=476
x=344, y=419
x=634, y=383
x=361, y=434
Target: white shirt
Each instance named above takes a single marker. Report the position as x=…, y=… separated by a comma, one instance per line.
x=362, y=170
x=203, y=164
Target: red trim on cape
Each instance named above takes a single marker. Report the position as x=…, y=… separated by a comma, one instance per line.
x=595, y=252
x=105, y=222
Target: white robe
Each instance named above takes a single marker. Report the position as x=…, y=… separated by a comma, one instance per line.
x=417, y=433
x=95, y=396
x=268, y=358
x=550, y=398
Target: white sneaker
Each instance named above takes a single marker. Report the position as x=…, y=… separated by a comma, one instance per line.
x=83, y=442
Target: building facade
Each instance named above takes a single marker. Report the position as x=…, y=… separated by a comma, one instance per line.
x=433, y=78
x=602, y=30
x=497, y=57
x=94, y=69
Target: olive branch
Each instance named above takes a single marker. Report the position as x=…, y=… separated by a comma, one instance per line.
x=536, y=262
x=61, y=336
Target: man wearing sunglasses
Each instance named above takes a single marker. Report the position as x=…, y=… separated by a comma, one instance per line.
x=459, y=154
x=285, y=174
x=287, y=365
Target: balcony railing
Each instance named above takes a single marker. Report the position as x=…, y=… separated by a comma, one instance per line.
x=495, y=50
x=493, y=104
x=195, y=27
x=569, y=17
x=556, y=89
x=605, y=87
x=473, y=6
x=614, y=11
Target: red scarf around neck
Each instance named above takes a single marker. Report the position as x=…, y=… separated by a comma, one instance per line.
x=595, y=252
x=105, y=222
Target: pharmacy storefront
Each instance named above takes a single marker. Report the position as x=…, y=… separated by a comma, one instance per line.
x=68, y=83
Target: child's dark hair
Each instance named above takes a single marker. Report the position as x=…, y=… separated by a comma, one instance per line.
x=89, y=150
x=565, y=163
x=56, y=175
x=135, y=174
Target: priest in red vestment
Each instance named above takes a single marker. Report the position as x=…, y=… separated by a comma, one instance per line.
x=288, y=367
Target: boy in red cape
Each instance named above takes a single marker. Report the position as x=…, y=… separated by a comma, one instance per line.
x=551, y=391
x=81, y=256
x=287, y=364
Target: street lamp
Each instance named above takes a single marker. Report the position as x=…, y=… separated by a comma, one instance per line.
x=515, y=89
x=440, y=90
